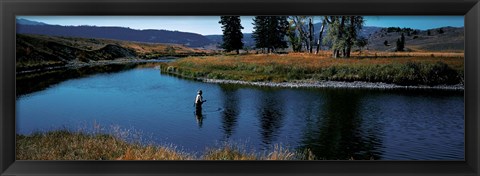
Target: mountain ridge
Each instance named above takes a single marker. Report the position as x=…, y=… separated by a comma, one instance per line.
x=376, y=36
x=116, y=33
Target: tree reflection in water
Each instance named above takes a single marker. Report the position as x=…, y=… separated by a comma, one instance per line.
x=337, y=134
x=230, y=113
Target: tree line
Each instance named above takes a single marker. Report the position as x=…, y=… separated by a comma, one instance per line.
x=272, y=33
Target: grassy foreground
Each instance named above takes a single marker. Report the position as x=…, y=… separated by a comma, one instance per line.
x=65, y=145
x=397, y=68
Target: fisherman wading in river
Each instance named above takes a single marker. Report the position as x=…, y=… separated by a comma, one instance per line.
x=198, y=102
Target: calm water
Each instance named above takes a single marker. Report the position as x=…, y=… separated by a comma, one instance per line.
x=158, y=108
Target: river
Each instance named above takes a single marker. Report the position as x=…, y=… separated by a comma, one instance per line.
x=141, y=104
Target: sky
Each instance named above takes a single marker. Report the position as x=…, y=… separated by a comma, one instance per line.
x=208, y=25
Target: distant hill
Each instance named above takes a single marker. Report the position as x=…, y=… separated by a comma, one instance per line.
x=29, y=22
x=438, y=39
x=367, y=31
x=116, y=33
x=41, y=51
x=248, y=40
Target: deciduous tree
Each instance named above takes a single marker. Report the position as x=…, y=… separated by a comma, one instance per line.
x=319, y=41
x=342, y=32
x=300, y=23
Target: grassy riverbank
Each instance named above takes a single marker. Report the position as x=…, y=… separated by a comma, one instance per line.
x=397, y=68
x=65, y=145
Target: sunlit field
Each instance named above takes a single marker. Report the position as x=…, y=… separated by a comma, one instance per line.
x=404, y=68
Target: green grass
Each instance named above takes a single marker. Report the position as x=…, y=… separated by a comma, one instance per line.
x=415, y=70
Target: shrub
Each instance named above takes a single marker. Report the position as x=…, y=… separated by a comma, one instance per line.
x=441, y=73
x=426, y=74
x=408, y=74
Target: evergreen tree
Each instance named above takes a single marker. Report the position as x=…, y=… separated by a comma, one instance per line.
x=401, y=43
x=270, y=32
x=260, y=31
x=232, y=34
x=402, y=38
x=278, y=27
x=440, y=31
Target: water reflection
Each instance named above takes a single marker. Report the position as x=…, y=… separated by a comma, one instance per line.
x=37, y=81
x=230, y=113
x=271, y=114
x=199, y=117
x=338, y=135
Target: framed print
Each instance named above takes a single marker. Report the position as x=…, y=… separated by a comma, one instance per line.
x=276, y=88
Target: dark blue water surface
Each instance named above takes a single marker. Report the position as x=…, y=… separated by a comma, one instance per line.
x=156, y=108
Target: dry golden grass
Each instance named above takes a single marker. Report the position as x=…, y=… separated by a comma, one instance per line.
x=64, y=145
x=316, y=61
x=232, y=152
x=139, y=47
x=228, y=153
x=90, y=44
x=407, y=68
x=153, y=153
x=146, y=48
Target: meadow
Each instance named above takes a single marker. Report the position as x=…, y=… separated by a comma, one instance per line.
x=402, y=68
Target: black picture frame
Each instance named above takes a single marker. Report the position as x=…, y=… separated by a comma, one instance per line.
x=11, y=8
